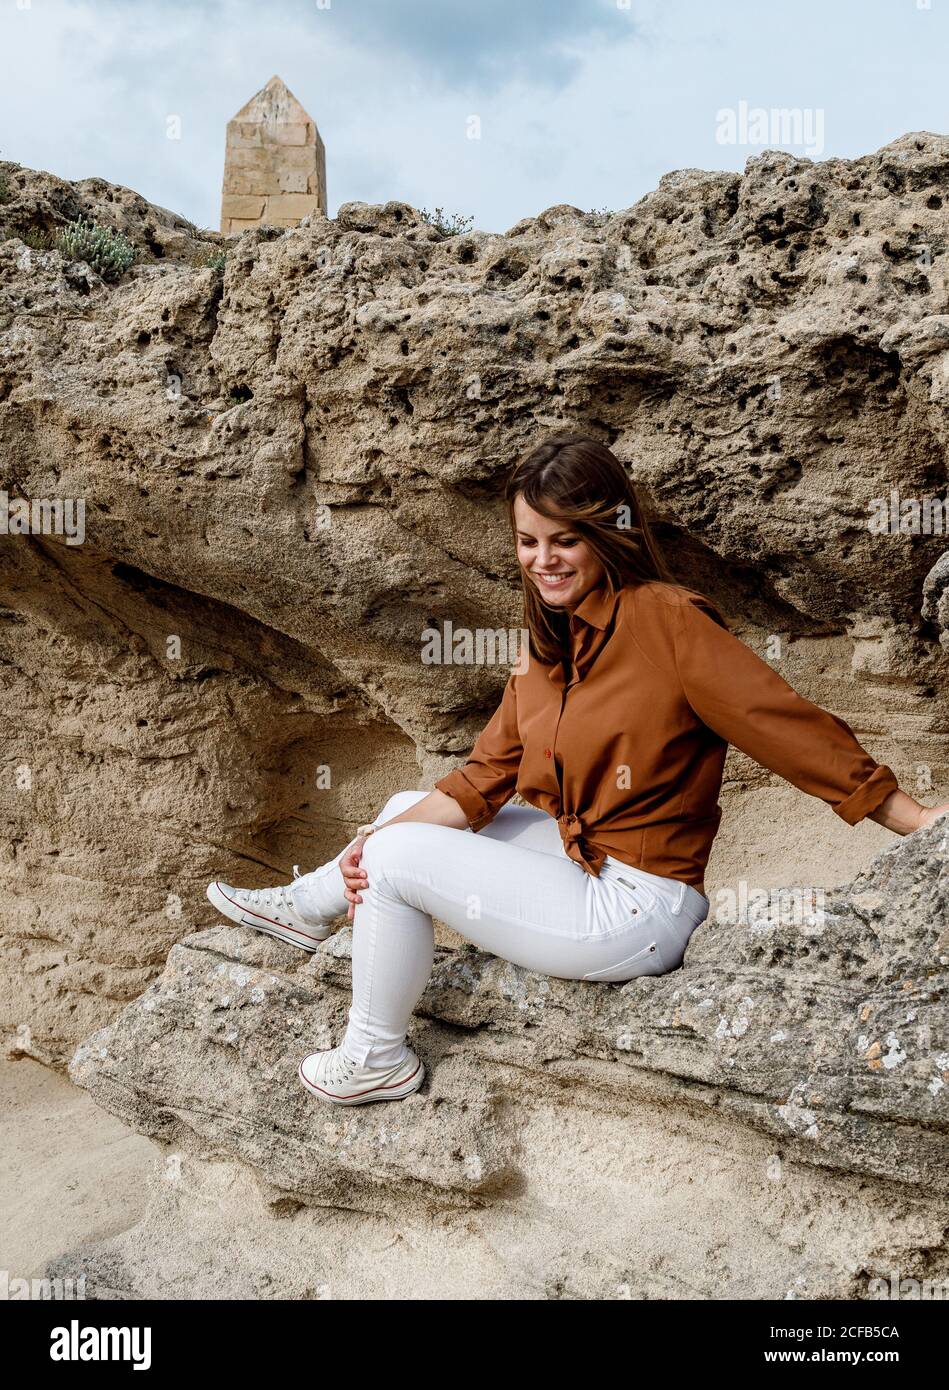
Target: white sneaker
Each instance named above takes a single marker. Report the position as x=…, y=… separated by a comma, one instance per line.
x=270, y=910
x=334, y=1077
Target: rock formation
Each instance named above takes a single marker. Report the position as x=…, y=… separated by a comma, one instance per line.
x=274, y=163
x=571, y=1140
x=290, y=469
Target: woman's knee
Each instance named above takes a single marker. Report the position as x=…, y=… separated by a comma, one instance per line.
x=395, y=846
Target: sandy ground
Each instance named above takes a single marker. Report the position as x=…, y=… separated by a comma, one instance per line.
x=69, y=1172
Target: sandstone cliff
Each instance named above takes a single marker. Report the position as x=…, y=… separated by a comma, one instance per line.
x=292, y=467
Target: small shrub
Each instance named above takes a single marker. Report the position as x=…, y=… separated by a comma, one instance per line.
x=215, y=260
x=108, y=252
x=36, y=238
x=447, y=226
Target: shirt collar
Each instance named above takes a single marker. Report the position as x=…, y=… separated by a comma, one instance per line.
x=597, y=608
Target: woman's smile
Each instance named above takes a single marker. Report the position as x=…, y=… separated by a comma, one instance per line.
x=554, y=557
x=553, y=581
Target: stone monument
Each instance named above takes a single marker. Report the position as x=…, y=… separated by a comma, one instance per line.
x=274, y=163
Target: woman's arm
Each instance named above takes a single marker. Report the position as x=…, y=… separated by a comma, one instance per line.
x=901, y=814
x=740, y=696
x=489, y=777
x=435, y=809
x=745, y=700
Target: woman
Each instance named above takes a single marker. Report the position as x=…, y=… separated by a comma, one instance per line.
x=616, y=734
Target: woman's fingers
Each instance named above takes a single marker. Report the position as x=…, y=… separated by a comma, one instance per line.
x=355, y=877
x=349, y=865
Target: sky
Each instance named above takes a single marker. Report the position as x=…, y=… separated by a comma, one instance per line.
x=490, y=109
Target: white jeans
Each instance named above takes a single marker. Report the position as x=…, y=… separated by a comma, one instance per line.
x=511, y=890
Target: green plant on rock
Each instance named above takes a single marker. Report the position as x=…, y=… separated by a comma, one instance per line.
x=36, y=239
x=215, y=260
x=108, y=252
x=447, y=226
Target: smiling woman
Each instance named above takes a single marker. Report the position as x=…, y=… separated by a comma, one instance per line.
x=577, y=524
x=560, y=564
x=615, y=733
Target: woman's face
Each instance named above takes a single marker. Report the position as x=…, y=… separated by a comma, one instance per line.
x=560, y=565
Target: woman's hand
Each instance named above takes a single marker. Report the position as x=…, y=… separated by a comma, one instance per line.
x=931, y=813
x=434, y=809
x=354, y=876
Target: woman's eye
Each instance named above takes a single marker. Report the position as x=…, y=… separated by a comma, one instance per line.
x=567, y=544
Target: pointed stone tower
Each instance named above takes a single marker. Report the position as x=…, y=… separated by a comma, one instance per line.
x=274, y=163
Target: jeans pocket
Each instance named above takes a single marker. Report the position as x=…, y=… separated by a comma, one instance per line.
x=646, y=961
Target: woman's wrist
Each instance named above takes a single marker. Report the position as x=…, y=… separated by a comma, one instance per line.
x=899, y=813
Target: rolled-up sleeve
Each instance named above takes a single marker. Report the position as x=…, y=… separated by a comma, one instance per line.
x=746, y=702
x=489, y=777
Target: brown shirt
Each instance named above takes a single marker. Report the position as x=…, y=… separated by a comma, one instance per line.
x=627, y=751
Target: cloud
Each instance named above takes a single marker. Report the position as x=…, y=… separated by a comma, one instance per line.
x=579, y=101
x=485, y=43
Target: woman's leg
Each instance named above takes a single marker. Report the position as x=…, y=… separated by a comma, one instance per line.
x=319, y=895
x=302, y=912
x=538, y=909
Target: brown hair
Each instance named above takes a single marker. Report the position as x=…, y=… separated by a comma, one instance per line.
x=572, y=477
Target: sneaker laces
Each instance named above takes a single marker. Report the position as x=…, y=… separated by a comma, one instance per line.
x=276, y=897
x=340, y=1067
